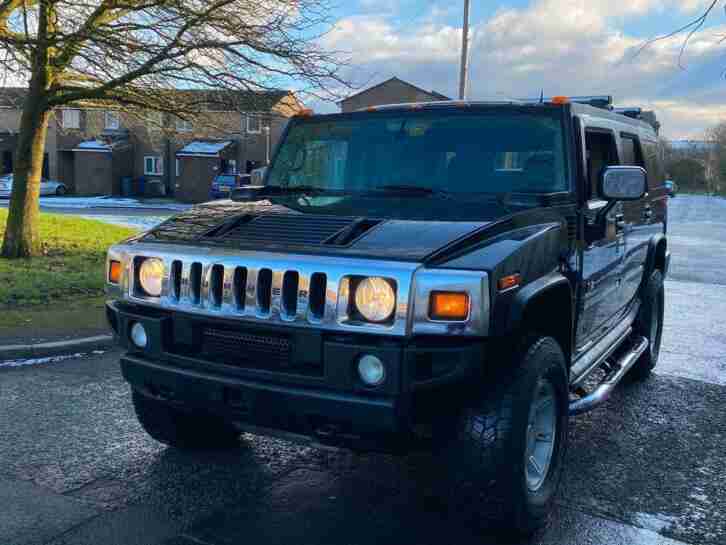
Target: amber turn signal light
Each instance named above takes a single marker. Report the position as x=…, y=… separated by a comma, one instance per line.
x=114, y=272
x=446, y=305
x=510, y=281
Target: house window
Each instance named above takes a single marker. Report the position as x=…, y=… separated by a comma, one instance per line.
x=183, y=125
x=71, y=119
x=112, y=121
x=177, y=168
x=254, y=124
x=153, y=165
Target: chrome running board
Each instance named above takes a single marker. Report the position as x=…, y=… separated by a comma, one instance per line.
x=601, y=394
x=602, y=349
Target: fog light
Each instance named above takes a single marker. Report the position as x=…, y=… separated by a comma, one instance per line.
x=138, y=335
x=371, y=370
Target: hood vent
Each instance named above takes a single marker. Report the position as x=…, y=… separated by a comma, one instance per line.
x=352, y=233
x=228, y=225
x=285, y=229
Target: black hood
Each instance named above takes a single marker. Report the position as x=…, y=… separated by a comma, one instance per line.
x=269, y=227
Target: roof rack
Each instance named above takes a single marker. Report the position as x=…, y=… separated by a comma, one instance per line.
x=598, y=101
x=634, y=113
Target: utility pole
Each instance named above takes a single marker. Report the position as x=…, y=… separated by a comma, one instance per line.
x=267, y=145
x=464, y=53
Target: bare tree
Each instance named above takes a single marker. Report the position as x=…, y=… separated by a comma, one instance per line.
x=687, y=31
x=134, y=53
x=716, y=157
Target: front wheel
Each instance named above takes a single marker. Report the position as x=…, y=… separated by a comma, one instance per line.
x=180, y=429
x=60, y=191
x=505, y=463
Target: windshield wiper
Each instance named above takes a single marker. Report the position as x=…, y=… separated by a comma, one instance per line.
x=299, y=189
x=249, y=193
x=412, y=190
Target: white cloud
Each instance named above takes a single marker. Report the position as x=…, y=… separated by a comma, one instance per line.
x=561, y=46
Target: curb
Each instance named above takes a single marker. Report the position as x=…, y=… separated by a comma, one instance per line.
x=57, y=348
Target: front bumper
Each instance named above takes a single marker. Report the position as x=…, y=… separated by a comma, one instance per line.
x=330, y=404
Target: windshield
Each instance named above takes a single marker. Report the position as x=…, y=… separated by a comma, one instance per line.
x=368, y=165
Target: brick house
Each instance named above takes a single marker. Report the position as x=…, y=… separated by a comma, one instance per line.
x=11, y=103
x=391, y=91
x=92, y=150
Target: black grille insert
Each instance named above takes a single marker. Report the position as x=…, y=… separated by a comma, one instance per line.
x=216, y=284
x=264, y=290
x=318, y=288
x=290, y=284
x=195, y=282
x=176, y=276
x=239, y=287
x=259, y=350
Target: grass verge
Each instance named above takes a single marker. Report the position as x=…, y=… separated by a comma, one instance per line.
x=71, y=269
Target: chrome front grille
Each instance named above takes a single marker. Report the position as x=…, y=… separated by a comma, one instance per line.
x=301, y=290
x=247, y=291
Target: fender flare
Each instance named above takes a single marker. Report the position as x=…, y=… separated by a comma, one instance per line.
x=533, y=290
x=654, y=255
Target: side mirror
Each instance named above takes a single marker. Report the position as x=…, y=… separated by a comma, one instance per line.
x=623, y=183
x=246, y=193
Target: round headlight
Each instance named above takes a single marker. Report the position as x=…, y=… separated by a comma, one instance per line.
x=375, y=299
x=151, y=275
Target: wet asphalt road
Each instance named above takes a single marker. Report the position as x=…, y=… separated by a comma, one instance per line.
x=648, y=468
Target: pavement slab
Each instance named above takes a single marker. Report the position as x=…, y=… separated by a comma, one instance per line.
x=133, y=526
x=32, y=514
x=697, y=238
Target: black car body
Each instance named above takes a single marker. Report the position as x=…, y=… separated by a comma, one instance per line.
x=258, y=322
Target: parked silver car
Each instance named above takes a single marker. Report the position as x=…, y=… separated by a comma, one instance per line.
x=47, y=187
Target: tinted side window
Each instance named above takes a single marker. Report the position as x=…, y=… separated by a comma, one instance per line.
x=632, y=155
x=601, y=152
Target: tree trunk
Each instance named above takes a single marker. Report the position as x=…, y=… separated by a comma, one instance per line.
x=21, y=232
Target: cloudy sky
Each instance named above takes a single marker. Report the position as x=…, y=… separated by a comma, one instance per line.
x=562, y=46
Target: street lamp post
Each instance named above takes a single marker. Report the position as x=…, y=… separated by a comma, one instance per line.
x=464, y=52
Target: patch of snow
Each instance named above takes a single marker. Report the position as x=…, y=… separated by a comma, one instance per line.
x=203, y=148
x=110, y=202
x=94, y=145
x=135, y=222
x=656, y=522
x=38, y=361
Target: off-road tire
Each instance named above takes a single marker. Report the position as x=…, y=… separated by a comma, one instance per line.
x=180, y=429
x=485, y=461
x=651, y=308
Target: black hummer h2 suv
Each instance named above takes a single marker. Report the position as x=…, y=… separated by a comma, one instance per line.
x=455, y=276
